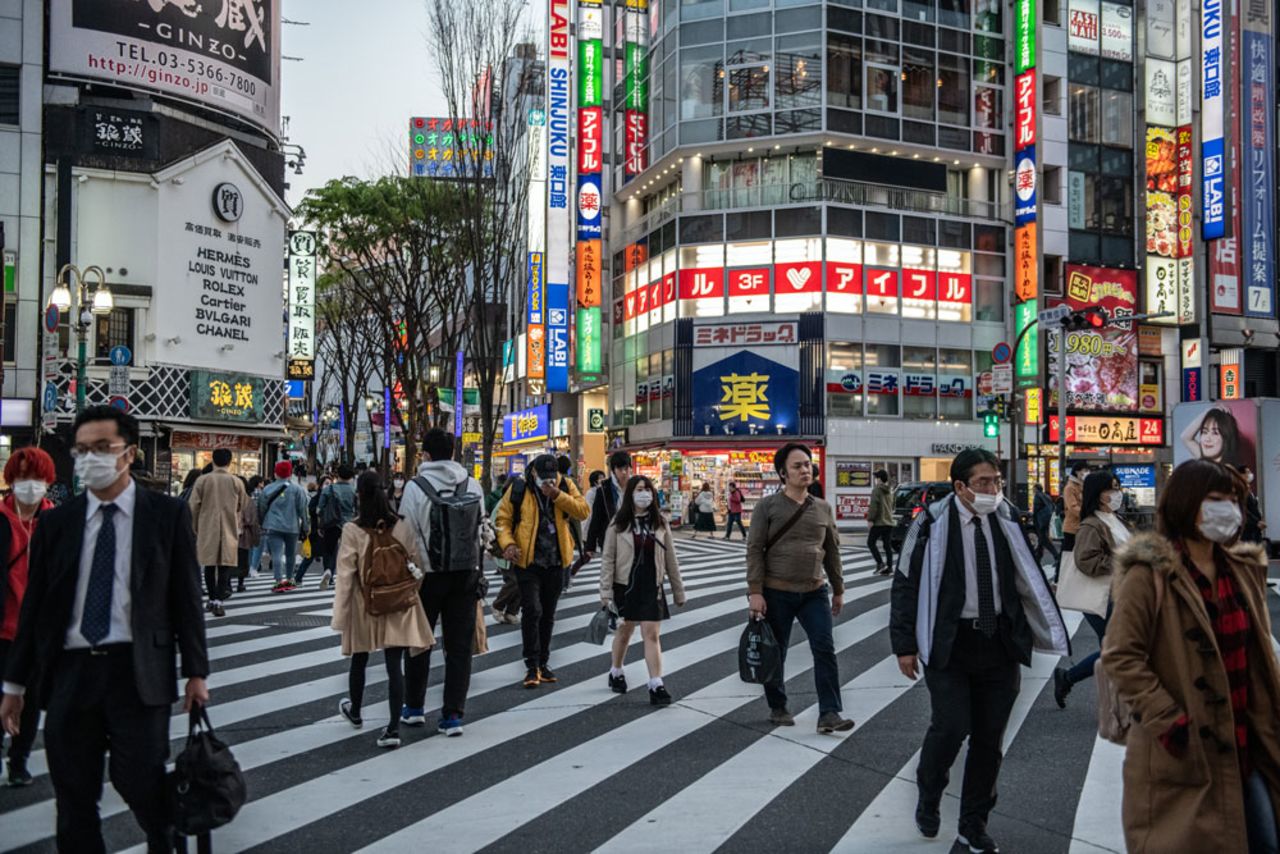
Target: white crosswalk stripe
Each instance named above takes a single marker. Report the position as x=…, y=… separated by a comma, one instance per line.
x=558, y=756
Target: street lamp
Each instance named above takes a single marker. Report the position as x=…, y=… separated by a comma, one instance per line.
x=85, y=307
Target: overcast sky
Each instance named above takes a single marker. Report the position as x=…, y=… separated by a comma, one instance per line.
x=364, y=71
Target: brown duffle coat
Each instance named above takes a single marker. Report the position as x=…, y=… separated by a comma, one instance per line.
x=216, y=502
x=1167, y=664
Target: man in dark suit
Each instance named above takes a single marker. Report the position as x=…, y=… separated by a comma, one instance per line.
x=965, y=599
x=608, y=497
x=113, y=590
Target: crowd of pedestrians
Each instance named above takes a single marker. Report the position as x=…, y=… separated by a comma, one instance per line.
x=1180, y=613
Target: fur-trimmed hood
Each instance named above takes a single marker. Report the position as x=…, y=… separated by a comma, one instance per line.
x=1156, y=553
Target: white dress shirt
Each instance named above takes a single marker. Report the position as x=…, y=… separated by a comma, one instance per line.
x=121, y=629
x=967, y=531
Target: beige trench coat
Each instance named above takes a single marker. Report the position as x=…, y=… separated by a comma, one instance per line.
x=216, y=504
x=1195, y=802
x=360, y=631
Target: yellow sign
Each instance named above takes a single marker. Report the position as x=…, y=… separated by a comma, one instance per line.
x=1033, y=406
x=744, y=397
x=471, y=438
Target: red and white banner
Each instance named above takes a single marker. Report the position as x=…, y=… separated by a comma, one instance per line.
x=702, y=284
x=881, y=282
x=1024, y=94
x=919, y=285
x=637, y=144
x=955, y=288
x=799, y=278
x=844, y=278
x=749, y=282
x=590, y=140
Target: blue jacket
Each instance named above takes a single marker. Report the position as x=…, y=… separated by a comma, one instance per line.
x=288, y=513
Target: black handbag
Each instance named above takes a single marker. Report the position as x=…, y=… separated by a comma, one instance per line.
x=759, y=656
x=206, y=786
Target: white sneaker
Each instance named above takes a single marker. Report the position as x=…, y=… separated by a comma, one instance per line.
x=389, y=739
x=324, y=580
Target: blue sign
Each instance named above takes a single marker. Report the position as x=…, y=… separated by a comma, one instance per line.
x=1192, y=384
x=1135, y=477
x=1214, y=79
x=51, y=318
x=537, y=293
x=50, y=397
x=1001, y=353
x=557, y=337
x=1024, y=186
x=1213, y=213
x=120, y=355
x=516, y=464
x=527, y=425
x=297, y=389
x=746, y=391
x=458, y=403
x=1258, y=142
x=589, y=201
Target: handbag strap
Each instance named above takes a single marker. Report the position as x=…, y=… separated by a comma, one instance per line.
x=795, y=517
x=197, y=720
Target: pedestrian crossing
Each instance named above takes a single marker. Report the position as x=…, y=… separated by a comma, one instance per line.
x=574, y=767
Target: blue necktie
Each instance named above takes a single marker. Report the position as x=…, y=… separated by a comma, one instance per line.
x=96, y=621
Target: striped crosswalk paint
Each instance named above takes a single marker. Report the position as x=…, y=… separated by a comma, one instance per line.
x=557, y=757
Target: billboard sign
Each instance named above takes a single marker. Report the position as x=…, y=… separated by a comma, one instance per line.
x=1257, y=174
x=223, y=56
x=1102, y=364
x=1213, y=84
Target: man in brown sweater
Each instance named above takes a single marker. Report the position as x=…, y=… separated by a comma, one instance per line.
x=793, y=551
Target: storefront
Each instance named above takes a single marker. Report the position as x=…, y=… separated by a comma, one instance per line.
x=680, y=472
x=192, y=450
x=226, y=412
x=854, y=481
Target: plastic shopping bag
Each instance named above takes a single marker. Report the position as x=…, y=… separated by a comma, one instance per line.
x=759, y=657
x=598, y=629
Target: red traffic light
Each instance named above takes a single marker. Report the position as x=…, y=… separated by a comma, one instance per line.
x=1097, y=318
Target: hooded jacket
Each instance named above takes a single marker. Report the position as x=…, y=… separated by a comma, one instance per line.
x=928, y=589
x=1166, y=664
x=445, y=477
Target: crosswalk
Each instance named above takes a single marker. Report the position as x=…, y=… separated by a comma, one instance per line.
x=574, y=767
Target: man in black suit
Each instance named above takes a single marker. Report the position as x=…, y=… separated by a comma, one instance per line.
x=608, y=497
x=969, y=602
x=113, y=590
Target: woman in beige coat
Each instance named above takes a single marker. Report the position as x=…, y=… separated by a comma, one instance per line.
x=403, y=633
x=639, y=555
x=1189, y=649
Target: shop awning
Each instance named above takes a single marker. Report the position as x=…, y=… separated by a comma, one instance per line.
x=270, y=433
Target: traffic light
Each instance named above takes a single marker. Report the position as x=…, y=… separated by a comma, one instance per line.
x=990, y=425
x=1089, y=318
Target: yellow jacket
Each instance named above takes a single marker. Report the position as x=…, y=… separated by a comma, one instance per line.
x=568, y=504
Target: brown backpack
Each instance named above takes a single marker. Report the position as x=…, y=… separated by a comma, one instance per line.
x=389, y=587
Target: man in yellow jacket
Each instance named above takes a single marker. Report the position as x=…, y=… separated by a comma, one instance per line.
x=533, y=531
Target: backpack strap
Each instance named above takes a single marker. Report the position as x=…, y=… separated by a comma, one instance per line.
x=517, y=491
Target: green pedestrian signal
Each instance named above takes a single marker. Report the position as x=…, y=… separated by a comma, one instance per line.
x=990, y=425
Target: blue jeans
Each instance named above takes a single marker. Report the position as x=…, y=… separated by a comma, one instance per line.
x=1259, y=816
x=255, y=557
x=813, y=610
x=734, y=519
x=283, y=548
x=1083, y=669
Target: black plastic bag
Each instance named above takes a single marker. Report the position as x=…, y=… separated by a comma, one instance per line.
x=759, y=657
x=598, y=629
x=206, y=786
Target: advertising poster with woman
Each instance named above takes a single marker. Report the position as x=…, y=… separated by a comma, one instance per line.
x=1222, y=430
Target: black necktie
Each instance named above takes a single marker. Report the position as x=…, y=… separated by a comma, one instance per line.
x=96, y=621
x=986, y=589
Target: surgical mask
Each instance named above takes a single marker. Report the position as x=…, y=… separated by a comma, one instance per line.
x=985, y=503
x=642, y=498
x=98, y=470
x=1116, y=501
x=29, y=491
x=1219, y=520
x=399, y=482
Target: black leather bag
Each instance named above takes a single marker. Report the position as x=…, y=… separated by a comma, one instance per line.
x=206, y=786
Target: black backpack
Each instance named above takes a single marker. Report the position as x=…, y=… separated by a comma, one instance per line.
x=517, y=490
x=206, y=786
x=454, y=520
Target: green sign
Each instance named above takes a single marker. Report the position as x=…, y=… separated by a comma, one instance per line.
x=10, y=266
x=1024, y=35
x=1027, y=359
x=226, y=397
x=595, y=421
x=589, y=340
x=637, y=82
x=590, y=73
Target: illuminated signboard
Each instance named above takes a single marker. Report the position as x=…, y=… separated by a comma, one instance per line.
x=527, y=426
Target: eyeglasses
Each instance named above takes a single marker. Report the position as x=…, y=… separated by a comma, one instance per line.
x=982, y=484
x=103, y=447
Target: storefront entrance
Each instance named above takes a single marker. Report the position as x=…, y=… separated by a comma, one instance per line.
x=190, y=450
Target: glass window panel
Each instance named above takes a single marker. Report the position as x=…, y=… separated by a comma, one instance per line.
x=955, y=384
x=988, y=299
x=1117, y=118
x=953, y=89
x=797, y=121
x=748, y=224
x=882, y=391
x=880, y=51
x=744, y=26
x=882, y=89
x=1116, y=199
x=1082, y=68
x=669, y=269
x=843, y=358
x=919, y=282
x=843, y=19
x=744, y=5
x=917, y=10
x=844, y=71
x=804, y=170
x=919, y=395
x=749, y=88
x=799, y=73
x=748, y=126
x=701, y=82
x=1083, y=113
x=746, y=183
x=702, y=32
x=776, y=188
x=919, y=83
x=954, y=13
x=695, y=9
x=750, y=50
x=717, y=179
x=880, y=27
x=1117, y=75
x=792, y=222
x=988, y=108
x=988, y=16
x=796, y=19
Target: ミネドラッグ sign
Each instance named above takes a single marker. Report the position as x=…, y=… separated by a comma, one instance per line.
x=226, y=397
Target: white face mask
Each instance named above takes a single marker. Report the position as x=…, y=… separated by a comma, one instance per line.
x=642, y=498
x=1219, y=520
x=399, y=482
x=1116, y=501
x=97, y=470
x=29, y=491
x=985, y=503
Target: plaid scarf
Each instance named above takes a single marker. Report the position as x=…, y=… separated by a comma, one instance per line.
x=1232, y=628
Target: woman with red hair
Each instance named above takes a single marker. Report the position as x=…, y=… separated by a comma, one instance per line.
x=29, y=472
